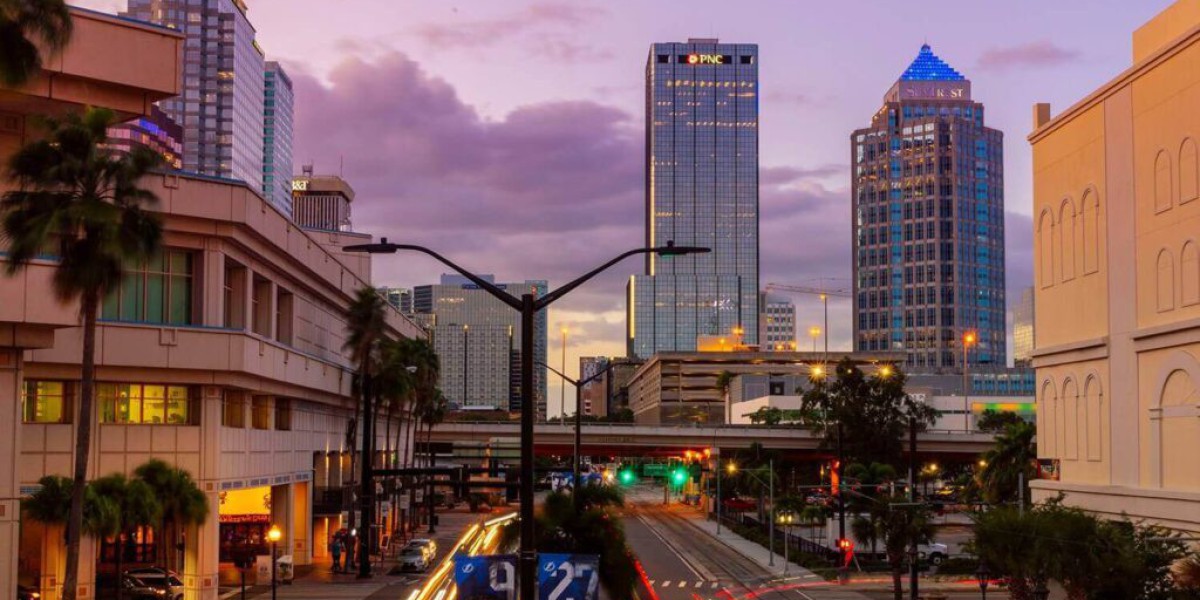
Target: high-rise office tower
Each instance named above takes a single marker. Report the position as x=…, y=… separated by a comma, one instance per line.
x=478, y=341
x=321, y=202
x=156, y=131
x=1023, y=329
x=278, y=100
x=400, y=298
x=928, y=223
x=702, y=190
x=777, y=324
x=220, y=107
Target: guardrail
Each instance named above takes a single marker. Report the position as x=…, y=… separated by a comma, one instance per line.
x=683, y=427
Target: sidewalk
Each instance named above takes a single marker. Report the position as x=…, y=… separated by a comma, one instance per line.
x=759, y=555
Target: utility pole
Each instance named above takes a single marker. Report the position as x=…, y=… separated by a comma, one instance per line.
x=912, y=491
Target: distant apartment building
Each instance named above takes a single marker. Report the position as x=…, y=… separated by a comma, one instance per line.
x=478, y=340
x=928, y=224
x=701, y=190
x=221, y=107
x=1116, y=208
x=1022, y=329
x=278, y=101
x=593, y=396
x=776, y=323
x=321, y=202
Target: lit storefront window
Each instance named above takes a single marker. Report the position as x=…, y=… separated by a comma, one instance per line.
x=46, y=402
x=146, y=404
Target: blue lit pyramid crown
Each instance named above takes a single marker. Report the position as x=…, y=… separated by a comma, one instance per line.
x=928, y=67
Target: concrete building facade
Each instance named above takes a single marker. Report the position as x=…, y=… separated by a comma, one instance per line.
x=1117, y=284
x=701, y=190
x=928, y=224
x=321, y=202
x=478, y=341
x=776, y=323
x=223, y=356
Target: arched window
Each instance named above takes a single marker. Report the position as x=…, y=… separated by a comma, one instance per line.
x=1166, y=281
x=1189, y=171
x=1189, y=274
x=1178, y=431
x=1093, y=406
x=1162, y=181
x=1046, y=248
x=1089, y=207
x=1066, y=234
x=1048, y=446
x=1070, y=423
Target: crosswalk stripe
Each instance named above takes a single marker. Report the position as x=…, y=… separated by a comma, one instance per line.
x=714, y=585
x=699, y=583
x=667, y=583
x=682, y=583
x=650, y=583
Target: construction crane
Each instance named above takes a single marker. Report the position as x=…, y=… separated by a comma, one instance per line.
x=823, y=292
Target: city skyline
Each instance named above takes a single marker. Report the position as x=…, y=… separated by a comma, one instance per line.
x=546, y=62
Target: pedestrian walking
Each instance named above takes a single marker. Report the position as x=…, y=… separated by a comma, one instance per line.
x=335, y=548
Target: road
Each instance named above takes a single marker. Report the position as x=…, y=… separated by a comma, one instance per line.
x=683, y=563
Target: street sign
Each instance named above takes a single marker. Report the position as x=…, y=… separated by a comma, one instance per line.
x=568, y=576
x=486, y=577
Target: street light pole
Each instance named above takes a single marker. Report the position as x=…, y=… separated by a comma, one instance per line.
x=562, y=396
x=825, y=303
x=575, y=467
x=466, y=365
x=528, y=307
x=968, y=340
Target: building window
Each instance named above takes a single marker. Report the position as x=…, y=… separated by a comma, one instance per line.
x=158, y=291
x=46, y=402
x=233, y=410
x=283, y=414
x=261, y=412
x=146, y=404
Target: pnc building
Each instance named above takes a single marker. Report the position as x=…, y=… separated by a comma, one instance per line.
x=928, y=232
x=701, y=190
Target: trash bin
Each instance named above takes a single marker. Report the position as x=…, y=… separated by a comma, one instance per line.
x=285, y=565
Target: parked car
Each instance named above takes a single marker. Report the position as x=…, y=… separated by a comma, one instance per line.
x=428, y=546
x=26, y=593
x=164, y=583
x=739, y=505
x=936, y=554
x=413, y=558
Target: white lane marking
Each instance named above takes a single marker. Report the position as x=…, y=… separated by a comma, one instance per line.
x=667, y=583
x=682, y=583
x=698, y=584
x=714, y=585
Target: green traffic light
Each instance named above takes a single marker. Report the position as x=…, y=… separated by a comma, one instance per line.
x=679, y=476
x=626, y=476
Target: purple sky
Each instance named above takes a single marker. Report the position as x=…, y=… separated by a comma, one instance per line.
x=509, y=135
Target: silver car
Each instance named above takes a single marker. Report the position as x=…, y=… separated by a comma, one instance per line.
x=428, y=546
x=413, y=559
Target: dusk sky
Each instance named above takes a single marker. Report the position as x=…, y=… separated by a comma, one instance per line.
x=510, y=135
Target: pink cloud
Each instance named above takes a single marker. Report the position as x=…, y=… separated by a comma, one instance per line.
x=1033, y=54
x=489, y=31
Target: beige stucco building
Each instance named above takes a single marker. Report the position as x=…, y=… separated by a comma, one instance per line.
x=1117, y=224
x=224, y=358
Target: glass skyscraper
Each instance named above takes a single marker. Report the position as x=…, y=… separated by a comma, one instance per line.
x=928, y=210
x=220, y=107
x=278, y=100
x=702, y=190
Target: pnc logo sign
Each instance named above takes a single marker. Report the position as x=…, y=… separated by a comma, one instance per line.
x=707, y=59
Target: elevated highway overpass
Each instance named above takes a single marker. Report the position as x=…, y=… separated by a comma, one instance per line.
x=624, y=439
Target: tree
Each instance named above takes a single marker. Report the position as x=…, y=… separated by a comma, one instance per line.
x=136, y=506
x=1185, y=572
x=181, y=504
x=82, y=202
x=767, y=415
x=995, y=421
x=50, y=505
x=873, y=412
x=867, y=480
x=897, y=528
x=24, y=26
x=1012, y=455
x=366, y=322
x=433, y=413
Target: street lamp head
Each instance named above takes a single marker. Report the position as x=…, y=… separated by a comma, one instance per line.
x=732, y=468
x=672, y=250
x=380, y=247
x=817, y=371
x=969, y=338
x=274, y=534
x=983, y=575
x=885, y=371
x=814, y=331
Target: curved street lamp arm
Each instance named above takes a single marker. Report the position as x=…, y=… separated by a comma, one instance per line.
x=385, y=247
x=559, y=373
x=669, y=250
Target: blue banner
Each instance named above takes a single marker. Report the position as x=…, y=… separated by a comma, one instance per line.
x=568, y=576
x=486, y=577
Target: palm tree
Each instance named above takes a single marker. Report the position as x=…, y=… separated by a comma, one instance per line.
x=432, y=415
x=24, y=26
x=82, y=202
x=137, y=506
x=182, y=504
x=365, y=325
x=1185, y=572
x=897, y=529
x=50, y=505
x=1012, y=455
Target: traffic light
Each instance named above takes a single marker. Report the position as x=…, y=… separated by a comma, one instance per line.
x=626, y=476
x=679, y=476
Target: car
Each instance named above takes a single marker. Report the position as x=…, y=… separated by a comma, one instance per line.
x=739, y=505
x=428, y=546
x=413, y=558
x=164, y=583
x=27, y=593
x=936, y=554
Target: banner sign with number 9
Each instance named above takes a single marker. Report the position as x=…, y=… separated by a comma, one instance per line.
x=486, y=577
